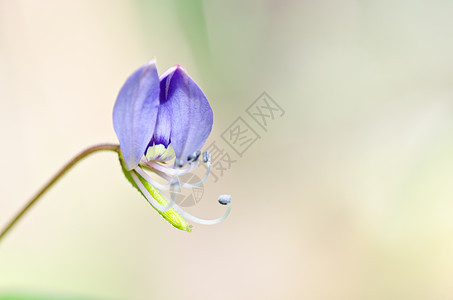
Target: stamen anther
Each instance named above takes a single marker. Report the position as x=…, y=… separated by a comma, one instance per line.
x=224, y=199
x=206, y=157
x=194, y=156
x=179, y=163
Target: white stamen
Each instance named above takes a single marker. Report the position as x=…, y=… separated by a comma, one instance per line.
x=192, y=218
x=185, y=185
x=162, y=174
x=150, y=198
x=205, y=177
x=151, y=180
x=174, y=183
x=171, y=171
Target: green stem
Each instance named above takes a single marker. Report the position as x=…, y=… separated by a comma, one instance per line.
x=58, y=175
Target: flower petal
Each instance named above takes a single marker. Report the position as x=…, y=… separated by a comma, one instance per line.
x=135, y=112
x=163, y=124
x=191, y=114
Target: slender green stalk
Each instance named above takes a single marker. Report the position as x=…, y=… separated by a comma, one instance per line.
x=58, y=175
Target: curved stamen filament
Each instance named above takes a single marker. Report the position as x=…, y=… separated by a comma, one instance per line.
x=171, y=171
x=151, y=180
x=185, y=185
x=171, y=204
x=192, y=185
x=172, y=175
x=149, y=197
x=192, y=218
x=162, y=174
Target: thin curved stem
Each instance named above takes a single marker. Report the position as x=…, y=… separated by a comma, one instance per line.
x=58, y=175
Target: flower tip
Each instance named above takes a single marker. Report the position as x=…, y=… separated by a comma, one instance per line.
x=179, y=69
x=150, y=65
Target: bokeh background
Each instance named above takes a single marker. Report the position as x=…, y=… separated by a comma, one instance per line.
x=349, y=195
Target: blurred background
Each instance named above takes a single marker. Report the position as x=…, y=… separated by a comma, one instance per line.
x=346, y=195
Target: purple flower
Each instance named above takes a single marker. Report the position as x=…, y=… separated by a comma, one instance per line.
x=168, y=111
x=156, y=120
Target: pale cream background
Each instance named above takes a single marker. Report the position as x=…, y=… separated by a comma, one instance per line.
x=348, y=196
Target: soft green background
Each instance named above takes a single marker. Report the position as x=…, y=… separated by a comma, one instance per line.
x=348, y=196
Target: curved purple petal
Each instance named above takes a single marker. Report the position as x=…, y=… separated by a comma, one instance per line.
x=135, y=112
x=191, y=114
x=163, y=124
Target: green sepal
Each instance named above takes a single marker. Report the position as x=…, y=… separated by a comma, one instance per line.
x=173, y=217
